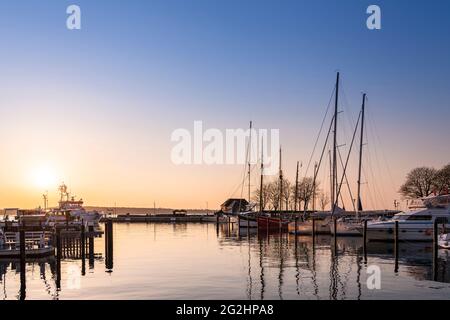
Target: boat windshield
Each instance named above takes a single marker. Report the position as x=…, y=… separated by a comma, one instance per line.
x=442, y=201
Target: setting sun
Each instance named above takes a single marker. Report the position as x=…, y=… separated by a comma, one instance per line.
x=44, y=177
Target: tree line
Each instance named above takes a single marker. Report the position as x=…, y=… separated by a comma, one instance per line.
x=306, y=193
x=425, y=181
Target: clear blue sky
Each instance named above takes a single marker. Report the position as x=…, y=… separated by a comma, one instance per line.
x=141, y=69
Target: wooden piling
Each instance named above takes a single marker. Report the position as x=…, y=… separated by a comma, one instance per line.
x=58, y=258
x=365, y=241
x=91, y=246
x=22, y=263
x=109, y=245
x=396, y=240
x=83, y=249
x=435, y=249
x=295, y=227
x=335, y=234
x=313, y=228
x=335, y=227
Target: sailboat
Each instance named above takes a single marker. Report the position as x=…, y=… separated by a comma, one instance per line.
x=247, y=219
x=322, y=223
x=269, y=222
x=348, y=226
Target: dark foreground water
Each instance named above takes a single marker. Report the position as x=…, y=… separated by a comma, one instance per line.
x=197, y=261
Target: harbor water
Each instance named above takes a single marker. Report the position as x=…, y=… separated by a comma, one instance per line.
x=202, y=261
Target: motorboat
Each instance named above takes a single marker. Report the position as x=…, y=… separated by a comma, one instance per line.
x=414, y=225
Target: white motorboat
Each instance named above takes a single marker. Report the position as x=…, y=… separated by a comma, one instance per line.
x=414, y=225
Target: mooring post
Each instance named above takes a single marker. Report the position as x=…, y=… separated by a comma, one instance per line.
x=396, y=239
x=335, y=234
x=435, y=249
x=365, y=241
x=83, y=248
x=58, y=257
x=91, y=246
x=295, y=227
x=280, y=224
x=313, y=228
x=109, y=251
x=22, y=263
x=334, y=227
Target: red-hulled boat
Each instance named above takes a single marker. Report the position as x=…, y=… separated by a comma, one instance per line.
x=272, y=223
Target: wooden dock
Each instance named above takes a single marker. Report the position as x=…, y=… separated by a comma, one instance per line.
x=167, y=218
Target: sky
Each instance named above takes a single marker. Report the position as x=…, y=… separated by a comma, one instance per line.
x=96, y=107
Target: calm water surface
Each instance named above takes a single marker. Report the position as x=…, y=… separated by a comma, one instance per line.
x=198, y=261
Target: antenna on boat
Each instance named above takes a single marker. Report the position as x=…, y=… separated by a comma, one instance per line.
x=359, y=207
x=45, y=197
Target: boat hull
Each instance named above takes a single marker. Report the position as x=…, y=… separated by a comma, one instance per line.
x=306, y=227
x=347, y=229
x=407, y=232
x=29, y=253
x=272, y=223
x=247, y=222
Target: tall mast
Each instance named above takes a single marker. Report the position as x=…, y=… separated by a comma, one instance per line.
x=261, y=204
x=249, y=162
x=336, y=101
x=296, y=189
x=331, y=177
x=358, y=197
x=281, y=184
x=314, y=187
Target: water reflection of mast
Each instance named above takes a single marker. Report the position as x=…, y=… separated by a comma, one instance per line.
x=297, y=269
x=358, y=273
x=280, y=275
x=250, y=280
x=312, y=268
x=261, y=265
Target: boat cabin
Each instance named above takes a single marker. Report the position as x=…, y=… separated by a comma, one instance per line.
x=234, y=205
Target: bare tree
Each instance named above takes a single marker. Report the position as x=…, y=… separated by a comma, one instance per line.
x=441, y=183
x=306, y=191
x=419, y=183
x=324, y=200
x=265, y=196
x=287, y=193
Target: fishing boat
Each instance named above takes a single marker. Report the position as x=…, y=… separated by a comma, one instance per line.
x=414, y=225
x=71, y=211
x=37, y=244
